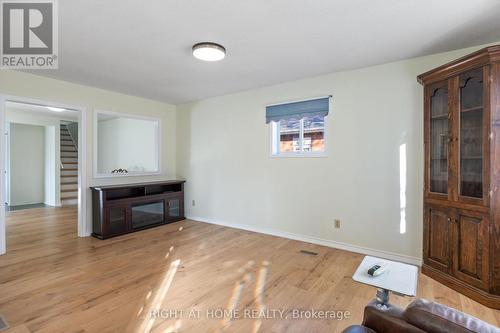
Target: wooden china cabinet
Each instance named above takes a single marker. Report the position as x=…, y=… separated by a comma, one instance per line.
x=462, y=175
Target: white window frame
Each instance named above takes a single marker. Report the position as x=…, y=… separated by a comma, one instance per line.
x=275, y=142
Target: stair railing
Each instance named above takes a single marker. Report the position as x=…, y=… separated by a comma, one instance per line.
x=73, y=133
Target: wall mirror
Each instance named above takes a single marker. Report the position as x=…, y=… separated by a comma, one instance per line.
x=125, y=145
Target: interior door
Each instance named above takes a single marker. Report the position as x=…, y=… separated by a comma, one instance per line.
x=437, y=237
x=437, y=139
x=471, y=247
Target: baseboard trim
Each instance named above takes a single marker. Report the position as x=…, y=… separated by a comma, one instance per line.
x=315, y=240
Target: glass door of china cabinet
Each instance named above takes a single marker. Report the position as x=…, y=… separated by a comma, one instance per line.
x=472, y=131
x=438, y=137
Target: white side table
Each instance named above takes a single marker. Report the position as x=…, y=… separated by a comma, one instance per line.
x=398, y=278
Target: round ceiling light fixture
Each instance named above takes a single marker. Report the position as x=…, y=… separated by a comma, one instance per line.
x=208, y=51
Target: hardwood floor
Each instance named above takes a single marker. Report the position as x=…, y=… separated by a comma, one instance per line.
x=52, y=281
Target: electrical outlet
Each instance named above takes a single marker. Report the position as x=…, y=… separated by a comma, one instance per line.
x=194, y=203
x=337, y=224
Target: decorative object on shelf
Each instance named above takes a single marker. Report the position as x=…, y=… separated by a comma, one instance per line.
x=119, y=171
x=462, y=186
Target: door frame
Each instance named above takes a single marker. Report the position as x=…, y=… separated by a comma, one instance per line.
x=83, y=226
x=7, y=165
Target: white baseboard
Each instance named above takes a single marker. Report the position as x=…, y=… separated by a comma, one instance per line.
x=315, y=240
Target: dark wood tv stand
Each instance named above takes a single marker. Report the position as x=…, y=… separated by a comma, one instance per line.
x=121, y=209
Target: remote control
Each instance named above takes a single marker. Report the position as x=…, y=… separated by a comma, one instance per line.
x=377, y=270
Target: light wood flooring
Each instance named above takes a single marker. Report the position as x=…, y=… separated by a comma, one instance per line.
x=52, y=281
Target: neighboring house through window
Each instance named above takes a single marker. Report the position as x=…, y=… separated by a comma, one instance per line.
x=298, y=128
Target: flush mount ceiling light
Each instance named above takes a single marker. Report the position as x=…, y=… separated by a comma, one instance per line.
x=208, y=51
x=55, y=109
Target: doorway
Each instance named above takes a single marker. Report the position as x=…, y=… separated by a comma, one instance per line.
x=43, y=159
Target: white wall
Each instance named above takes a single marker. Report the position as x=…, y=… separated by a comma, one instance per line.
x=224, y=153
x=27, y=164
x=27, y=85
x=126, y=143
x=52, y=195
x=52, y=181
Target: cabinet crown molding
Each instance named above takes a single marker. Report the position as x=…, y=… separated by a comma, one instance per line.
x=473, y=60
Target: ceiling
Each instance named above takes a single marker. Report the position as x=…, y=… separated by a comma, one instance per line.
x=143, y=48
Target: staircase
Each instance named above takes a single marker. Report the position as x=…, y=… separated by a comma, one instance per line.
x=69, y=166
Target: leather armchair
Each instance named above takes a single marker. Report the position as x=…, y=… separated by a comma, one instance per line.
x=419, y=317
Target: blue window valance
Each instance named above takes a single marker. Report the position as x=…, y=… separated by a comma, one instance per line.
x=310, y=108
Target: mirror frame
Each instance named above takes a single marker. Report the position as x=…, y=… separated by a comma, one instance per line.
x=130, y=116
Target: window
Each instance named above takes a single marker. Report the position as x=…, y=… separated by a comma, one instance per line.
x=298, y=130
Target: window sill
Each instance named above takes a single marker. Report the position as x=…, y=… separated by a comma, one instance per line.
x=298, y=155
